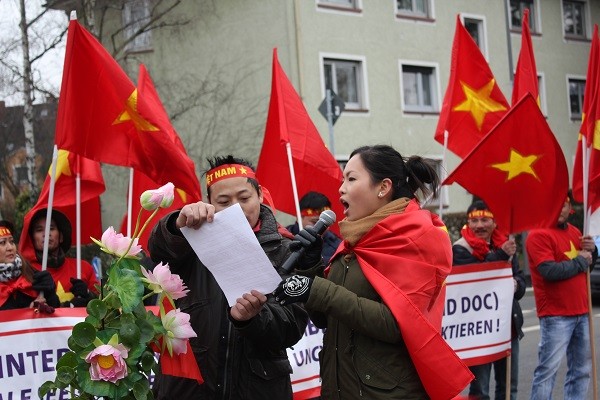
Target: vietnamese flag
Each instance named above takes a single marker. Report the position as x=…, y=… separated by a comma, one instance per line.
x=526, y=79
x=589, y=114
x=68, y=165
x=102, y=116
x=315, y=167
x=473, y=102
x=518, y=169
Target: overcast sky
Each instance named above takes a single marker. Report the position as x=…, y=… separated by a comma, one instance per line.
x=50, y=66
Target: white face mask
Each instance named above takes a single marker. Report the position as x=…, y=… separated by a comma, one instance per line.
x=10, y=271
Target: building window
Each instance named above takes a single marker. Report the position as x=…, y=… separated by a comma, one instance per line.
x=20, y=176
x=542, y=92
x=419, y=88
x=346, y=79
x=574, y=19
x=136, y=14
x=576, y=90
x=339, y=4
x=414, y=8
x=475, y=25
x=516, y=14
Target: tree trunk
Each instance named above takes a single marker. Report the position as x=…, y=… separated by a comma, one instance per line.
x=28, y=104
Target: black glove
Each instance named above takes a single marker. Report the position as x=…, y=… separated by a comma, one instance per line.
x=312, y=243
x=79, y=288
x=42, y=281
x=294, y=289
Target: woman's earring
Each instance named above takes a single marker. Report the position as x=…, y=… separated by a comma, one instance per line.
x=380, y=194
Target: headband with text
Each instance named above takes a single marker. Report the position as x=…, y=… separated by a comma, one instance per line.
x=4, y=231
x=480, y=214
x=228, y=171
x=310, y=212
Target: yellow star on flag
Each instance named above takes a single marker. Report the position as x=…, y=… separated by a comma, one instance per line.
x=182, y=194
x=518, y=164
x=131, y=114
x=62, y=164
x=62, y=295
x=478, y=102
x=571, y=254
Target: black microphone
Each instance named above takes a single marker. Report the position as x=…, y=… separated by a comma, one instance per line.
x=326, y=219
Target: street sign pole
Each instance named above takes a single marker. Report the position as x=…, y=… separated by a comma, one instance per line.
x=330, y=120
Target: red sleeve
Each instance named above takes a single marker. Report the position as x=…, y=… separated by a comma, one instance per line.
x=540, y=248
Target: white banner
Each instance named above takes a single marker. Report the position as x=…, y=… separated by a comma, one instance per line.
x=33, y=343
x=477, y=313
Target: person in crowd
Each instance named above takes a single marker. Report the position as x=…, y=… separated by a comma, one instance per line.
x=20, y=285
x=559, y=258
x=382, y=284
x=240, y=350
x=71, y=290
x=312, y=204
x=482, y=242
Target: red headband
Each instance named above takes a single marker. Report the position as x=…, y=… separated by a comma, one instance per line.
x=480, y=214
x=310, y=212
x=4, y=231
x=228, y=171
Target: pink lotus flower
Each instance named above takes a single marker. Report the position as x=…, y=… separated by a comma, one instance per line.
x=162, y=197
x=162, y=280
x=179, y=330
x=107, y=363
x=117, y=244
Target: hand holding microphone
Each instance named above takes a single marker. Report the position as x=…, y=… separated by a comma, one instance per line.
x=308, y=244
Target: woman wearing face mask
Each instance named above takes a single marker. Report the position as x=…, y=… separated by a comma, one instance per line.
x=20, y=285
x=382, y=298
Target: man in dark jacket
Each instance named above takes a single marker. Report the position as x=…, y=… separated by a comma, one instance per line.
x=312, y=204
x=241, y=351
x=481, y=242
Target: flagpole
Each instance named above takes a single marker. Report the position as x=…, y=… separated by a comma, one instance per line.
x=585, y=155
x=78, y=215
x=288, y=148
x=443, y=174
x=130, y=202
x=49, y=209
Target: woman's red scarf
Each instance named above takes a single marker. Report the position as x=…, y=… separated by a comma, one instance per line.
x=21, y=284
x=480, y=247
x=405, y=253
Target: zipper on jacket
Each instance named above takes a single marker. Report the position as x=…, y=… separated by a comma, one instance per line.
x=353, y=351
x=228, y=360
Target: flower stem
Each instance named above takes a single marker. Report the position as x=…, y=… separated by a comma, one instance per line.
x=148, y=221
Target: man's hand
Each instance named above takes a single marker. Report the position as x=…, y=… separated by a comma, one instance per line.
x=587, y=243
x=195, y=214
x=248, y=306
x=43, y=282
x=587, y=255
x=294, y=289
x=312, y=243
x=509, y=247
x=79, y=288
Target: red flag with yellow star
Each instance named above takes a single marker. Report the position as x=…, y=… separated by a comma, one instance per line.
x=68, y=165
x=473, y=102
x=315, y=168
x=526, y=79
x=102, y=116
x=518, y=169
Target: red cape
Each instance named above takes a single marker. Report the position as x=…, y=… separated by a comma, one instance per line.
x=406, y=258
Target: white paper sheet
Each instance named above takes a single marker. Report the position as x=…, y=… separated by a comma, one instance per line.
x=229, y=249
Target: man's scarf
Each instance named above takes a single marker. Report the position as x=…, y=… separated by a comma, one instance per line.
x=405, y=254
x=480, y=247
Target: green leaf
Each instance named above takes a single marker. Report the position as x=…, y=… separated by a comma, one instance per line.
x=146, y=330
x=97, y=309
x=64, y=376
x=147, y=361
x=84, y=334
x=129, y=334
x=45, y=388
x=95, y=388
x=134, y=354
x=128, y=286
x=141, y=389
x=69, y=359
x=132, y=264
x=73, y=344
x=128, y=318
x=93, y=321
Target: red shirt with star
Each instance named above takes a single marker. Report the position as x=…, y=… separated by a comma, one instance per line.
x=563, y=297
x=63, y=274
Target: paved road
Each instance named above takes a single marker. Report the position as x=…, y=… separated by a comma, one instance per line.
x=528, y=350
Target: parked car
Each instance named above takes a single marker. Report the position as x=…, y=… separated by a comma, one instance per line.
x=595, y=280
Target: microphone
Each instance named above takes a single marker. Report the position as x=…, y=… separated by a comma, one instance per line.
x=326, y=219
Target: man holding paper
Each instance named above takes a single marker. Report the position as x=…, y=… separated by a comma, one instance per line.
x=240, y=349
